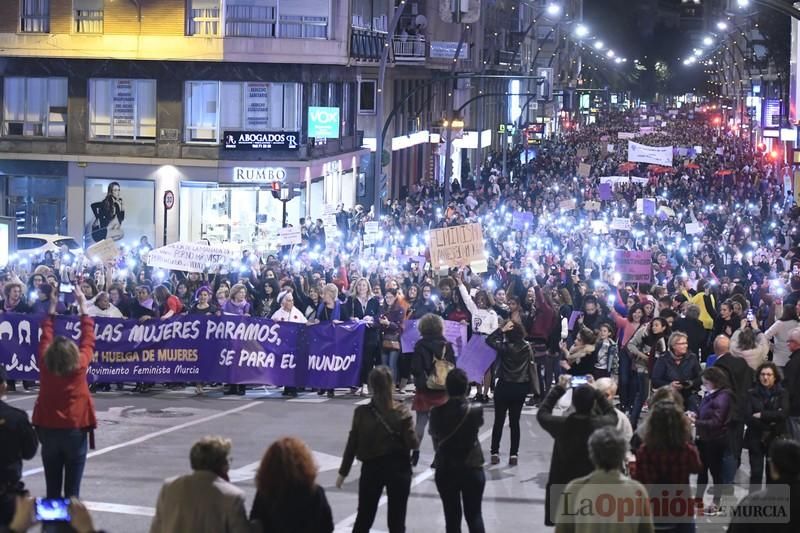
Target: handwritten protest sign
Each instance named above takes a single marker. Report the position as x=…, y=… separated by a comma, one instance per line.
x=103, y=251
x=693, y=228
x=289, y=236
x=634, y=266
x=567, y=205
x=371, y=233
x=626, y=135
x=584, y=170
x=599, y=227
x=604, y=191
x=192, y=256
x=583, y=152
x=621, y=224
x=457, y=246
x=591, y=205
x=646, y=206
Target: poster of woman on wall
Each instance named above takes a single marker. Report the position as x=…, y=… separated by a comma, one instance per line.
x=119, y=210
x=109, y=213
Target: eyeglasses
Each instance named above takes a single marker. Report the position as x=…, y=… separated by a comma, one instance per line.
x=681, y=342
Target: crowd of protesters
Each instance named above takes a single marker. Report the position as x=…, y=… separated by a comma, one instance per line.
x=705, y=358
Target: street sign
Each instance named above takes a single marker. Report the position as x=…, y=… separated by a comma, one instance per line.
x=169, y=199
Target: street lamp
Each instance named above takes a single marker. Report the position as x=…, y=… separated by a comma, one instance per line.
x=599, y=45
x=610, y=54
x=581, y=31
x=708, y=41
x=742, y=3
x=722, y=25
x=553, y=10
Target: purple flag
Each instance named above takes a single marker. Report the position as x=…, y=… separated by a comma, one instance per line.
x=222, y=349
x=604, y=190
x=477, y=358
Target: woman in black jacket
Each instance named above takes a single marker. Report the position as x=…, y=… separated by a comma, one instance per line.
x=459, y=458
x=366, y=307
x=381, y=437
x=427, y=350
x=513, y=371
x=768, y=408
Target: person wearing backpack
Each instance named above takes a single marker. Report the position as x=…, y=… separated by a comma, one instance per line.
x=514, y=371
x=432, y=360
x=459, y=458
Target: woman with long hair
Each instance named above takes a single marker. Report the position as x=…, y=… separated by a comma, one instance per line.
x=367, y=308
x=627, y=328
x=646, y=346
x=64, y=412
x=288, y=498
x=381, y=437
x=109, y=214
x=391, y=323
x=513, y=372
x=430, y=348
x=750, y=344
x=667, y=455
x=169, y=305
x=778, y=333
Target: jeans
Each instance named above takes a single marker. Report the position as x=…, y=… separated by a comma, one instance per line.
x=394, y=473
x=422, y=422
x=641, y=387
x=626, y=383
x=716, y=456
x=508, y=398
x=552, y=369
x=63, y=456
x=390, y=359
x=465, y=485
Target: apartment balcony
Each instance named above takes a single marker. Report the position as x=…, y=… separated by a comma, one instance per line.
x=367, y=45
x=409, y=49
x=508, y=58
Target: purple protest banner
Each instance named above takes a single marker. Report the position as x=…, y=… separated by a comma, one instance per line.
x=604, y=191
x=477, y=358
x=649, y=205
x=634, y=266
x=455, y=332
x=205, y=349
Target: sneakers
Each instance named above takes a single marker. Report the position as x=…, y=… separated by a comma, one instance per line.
x=712, y=510
x=495, y=460
x=330, y=393
x=414, y=457
x=513, y=460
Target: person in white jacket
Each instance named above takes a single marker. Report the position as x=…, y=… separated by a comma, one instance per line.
x=103, y=307
x=750, y=344
x=778, y=333
x=484, y=322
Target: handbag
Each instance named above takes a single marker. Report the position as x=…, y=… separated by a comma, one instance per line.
x=441, y=367
x=391, y=345
x=533, y=373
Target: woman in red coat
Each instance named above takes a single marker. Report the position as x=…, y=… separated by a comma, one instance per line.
x=64, y=413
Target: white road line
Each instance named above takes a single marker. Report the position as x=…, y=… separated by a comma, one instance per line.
x=149, y=436
x=21, y=398
x=422, y=477
x=119, y=508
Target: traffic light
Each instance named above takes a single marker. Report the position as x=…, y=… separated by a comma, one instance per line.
x=276, y=190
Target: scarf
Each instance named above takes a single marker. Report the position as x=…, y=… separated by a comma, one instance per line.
x=334, y=315
x=147, y=304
